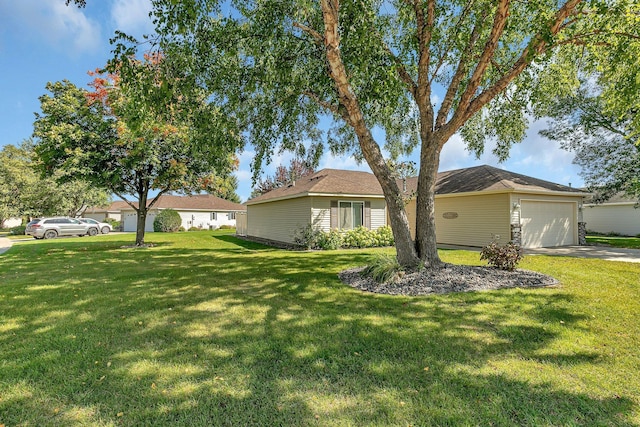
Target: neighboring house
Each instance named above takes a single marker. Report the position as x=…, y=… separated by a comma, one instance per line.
x=618, y=215
x=112, y=211
x=473, y=207
x=202, y=211
x=11, y=222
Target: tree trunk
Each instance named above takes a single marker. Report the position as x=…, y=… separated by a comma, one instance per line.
x=142, y=218
x=425, y=204
x=352, y=114
x=405, y=248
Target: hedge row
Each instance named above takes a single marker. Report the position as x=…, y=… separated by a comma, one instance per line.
x=361, y=237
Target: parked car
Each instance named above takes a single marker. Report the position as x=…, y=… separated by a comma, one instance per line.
x=48, y=228
x=105, y=228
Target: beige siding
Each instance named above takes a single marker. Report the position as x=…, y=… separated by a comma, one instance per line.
x=622, y=219
x=410, y=208
x=378, y=213
x=278, y=220
x=478, y=219
x=321, y=211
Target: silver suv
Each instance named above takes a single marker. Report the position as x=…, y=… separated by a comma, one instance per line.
x=48, y=228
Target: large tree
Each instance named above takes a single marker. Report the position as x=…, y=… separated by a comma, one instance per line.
x=598, y=117
x=606, y=143
x=135, y=133
x=421, y=70
x=23, y=192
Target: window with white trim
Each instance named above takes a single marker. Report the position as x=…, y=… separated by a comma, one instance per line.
x=351, y=215
x=231, y=215
x=214, y=216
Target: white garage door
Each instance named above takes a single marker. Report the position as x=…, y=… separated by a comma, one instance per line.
x=130, y=221
x=547, y=224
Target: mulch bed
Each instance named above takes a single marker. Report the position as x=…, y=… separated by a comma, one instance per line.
x=449, y=278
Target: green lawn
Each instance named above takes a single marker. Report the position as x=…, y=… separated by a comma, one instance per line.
x=617, y=242
x=203, y=329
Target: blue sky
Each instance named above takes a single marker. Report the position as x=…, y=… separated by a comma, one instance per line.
x=44, y=40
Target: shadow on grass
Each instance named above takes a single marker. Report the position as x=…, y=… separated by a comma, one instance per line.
x=199, y=331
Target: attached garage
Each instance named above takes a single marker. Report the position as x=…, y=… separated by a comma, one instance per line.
x=548, y=224
x=474, y=206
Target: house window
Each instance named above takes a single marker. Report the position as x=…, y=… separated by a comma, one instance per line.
x=231, y=215
x=351, y=215
x=214, y=216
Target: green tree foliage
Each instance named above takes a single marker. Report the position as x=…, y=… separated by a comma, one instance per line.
x=606, y=145
x=420, y=70
x=23, y=192
x=16, y=176
x=168, y=221
x=135, y=132
x=596, y=116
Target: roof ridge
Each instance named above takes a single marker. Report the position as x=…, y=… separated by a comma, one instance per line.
x=492, y=171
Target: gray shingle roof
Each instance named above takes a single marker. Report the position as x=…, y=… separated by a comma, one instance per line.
x=474, y=179
x=196, y=202
x=327, y=181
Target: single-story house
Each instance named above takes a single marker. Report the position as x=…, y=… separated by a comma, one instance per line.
x=619, y=215
x=473, y=207
x=202, y=211
x=101, y=213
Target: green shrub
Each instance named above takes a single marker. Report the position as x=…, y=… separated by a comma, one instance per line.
x=360, y=237
x=503, y=257
x=168, y=221
x=384, y=268
x=18, y=230
x=384, y=236
x=307, y=237
x=194, y=229
x=227, y=227
x=329, y=240
x=181, y=228
x=115, y=224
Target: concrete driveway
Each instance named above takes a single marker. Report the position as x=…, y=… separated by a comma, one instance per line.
x=5, y=244
x=598, y=252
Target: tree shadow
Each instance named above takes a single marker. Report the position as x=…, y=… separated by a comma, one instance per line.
x=186, y=335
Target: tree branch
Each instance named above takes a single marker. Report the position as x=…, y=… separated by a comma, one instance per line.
x=317, y=37
x=335, y=109
x=447, y=102
x=402, y=71
x=499, y=22
x=458, y=25
x=536, y=46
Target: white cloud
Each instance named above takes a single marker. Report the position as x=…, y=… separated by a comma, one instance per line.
x=64, y=28
x=329, y=161
x=454, y=154
x=132, y=16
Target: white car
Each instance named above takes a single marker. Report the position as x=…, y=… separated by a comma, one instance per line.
x=104, y=227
